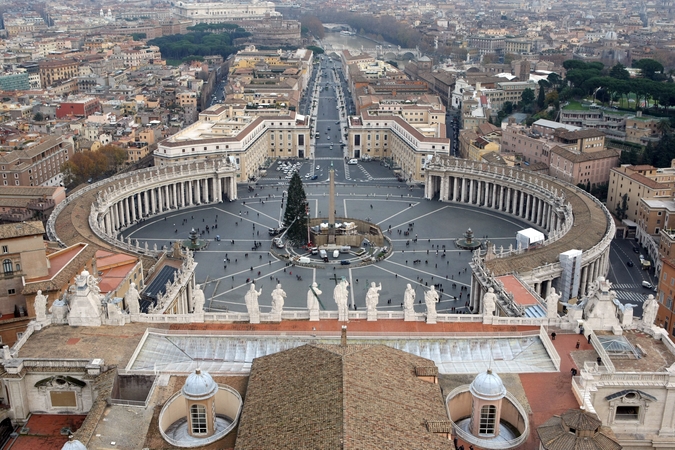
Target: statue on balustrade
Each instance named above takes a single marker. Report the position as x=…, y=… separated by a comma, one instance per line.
x=278, y=296
x=489, y=303
x=198, y=300
x=131, y=299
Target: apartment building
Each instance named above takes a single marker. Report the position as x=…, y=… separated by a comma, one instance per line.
x=666, y=315
x=23, y=256
x=78, y=107
x=54, y=71
x=36, y=163
x=636, y=182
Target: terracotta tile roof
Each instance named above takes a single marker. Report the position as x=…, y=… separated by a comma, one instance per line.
x=333, y=397
x=14, y=230
x=581, y=157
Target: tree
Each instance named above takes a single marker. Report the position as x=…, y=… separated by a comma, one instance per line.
x=316, y=50
x=38, y=117
x=115, y=156
x=619, y=72
x=622, y=207
x=527, y=97
x=541, y=99
x=649, y=68
x=295, y=216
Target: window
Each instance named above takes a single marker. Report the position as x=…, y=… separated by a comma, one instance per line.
x=5, y=249
x=488, y=415
x=11, y=291
x=198, y=417
x=7, y=266
x=627, y=412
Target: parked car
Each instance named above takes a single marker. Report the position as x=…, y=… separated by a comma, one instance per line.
x=629, y=263
x=647, y=284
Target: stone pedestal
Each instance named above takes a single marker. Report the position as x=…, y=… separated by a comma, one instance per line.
x=275, y=317
x=431, y=318
x=254, y=317
x=343, y=315
x=313, y=315
x=371, y=316
x=409, y=316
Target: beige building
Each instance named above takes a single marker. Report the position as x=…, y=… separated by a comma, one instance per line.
x=247, y=141
x=389, y=136
x=23, y=256
x=638, y=182
x=53, y=71
x=38, y=163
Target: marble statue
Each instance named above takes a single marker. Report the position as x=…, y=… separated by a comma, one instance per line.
x=408, y=303
x=251, y=300
x=430, y=299
x=131, y=299
x=198, y=300
x=372, y=298
x=552, y=304
x=40, y=307
x=341, y=295
x=278, y=296
x=649, y=310
x=85, y=301
x=313, y=302
x=489, y=303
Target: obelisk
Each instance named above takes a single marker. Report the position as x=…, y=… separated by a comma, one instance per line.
x=331, y=205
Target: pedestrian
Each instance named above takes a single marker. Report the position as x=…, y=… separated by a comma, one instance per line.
x=553, y=336
x=578, y=344
x=589, y=338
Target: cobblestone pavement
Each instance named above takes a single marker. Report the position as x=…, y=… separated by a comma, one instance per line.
x=426, y=256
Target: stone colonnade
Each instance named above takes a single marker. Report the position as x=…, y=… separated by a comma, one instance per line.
x=141, y=195
x=532, y=198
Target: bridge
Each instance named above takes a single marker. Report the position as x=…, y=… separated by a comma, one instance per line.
x=380, y=51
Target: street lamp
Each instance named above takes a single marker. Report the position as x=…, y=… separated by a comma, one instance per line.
x=595, y=92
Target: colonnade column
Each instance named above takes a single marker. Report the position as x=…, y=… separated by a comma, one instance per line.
x=108, y=223
x=470, y=202
x=199, y=193
x=456, y=189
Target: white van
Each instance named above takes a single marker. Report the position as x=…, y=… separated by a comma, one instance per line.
x=353, y=162
x=647, y=284
x=336, y=254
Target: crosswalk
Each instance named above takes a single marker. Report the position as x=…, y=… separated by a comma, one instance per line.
x=625, y=286
x=632, y=297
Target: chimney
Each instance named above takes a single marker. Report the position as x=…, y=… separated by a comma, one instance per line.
x=343, y=337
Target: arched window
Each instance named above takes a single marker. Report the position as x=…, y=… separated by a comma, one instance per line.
x=7, y=266
x=198, y=416
x=488, y=413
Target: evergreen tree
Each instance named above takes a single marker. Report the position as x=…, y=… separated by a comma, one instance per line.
x=541, y=99
x=296, y=202
x=622, y=207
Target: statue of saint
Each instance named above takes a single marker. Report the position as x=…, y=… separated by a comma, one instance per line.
x=251, y=300
x=341, y=295
x=131, y=299
x=198, y=300
x=409, y=300
x=489, y=302
x=312, y=297
x=649, y=310
x=552, y=304
x=373, y=296
x=278, y=296
x=430, y=299
x=40, y=307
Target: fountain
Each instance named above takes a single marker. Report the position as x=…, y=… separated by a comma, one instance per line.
x=468, y=242
x=193, y=242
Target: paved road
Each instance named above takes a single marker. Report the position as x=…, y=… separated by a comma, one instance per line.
x=628, y=280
